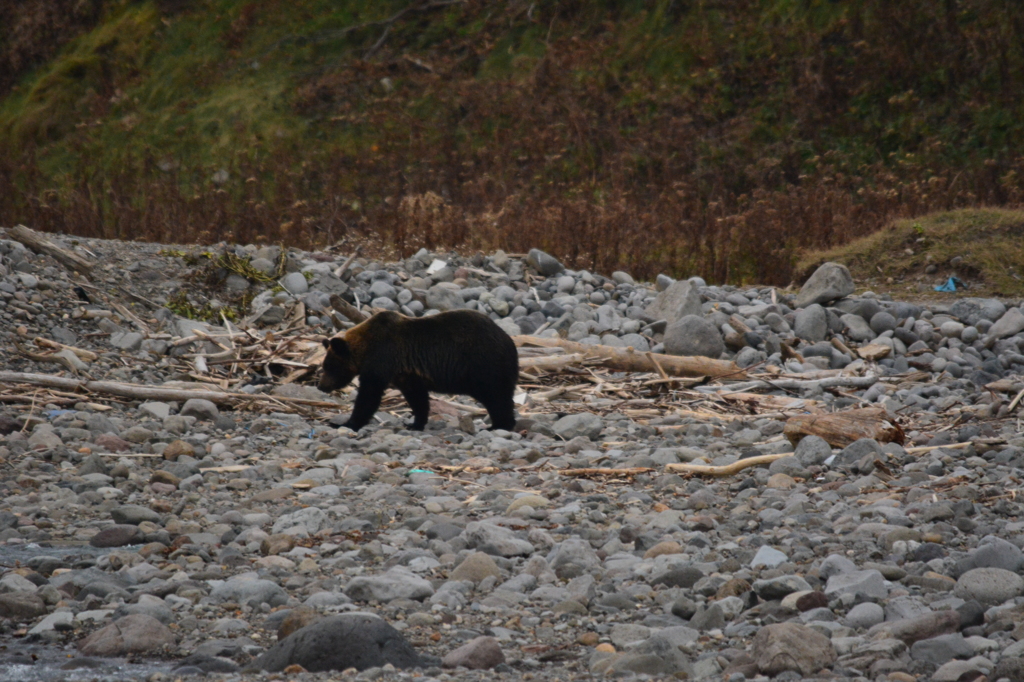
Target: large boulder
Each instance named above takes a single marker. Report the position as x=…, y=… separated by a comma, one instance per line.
x=444, y=298
x=398, y=583
x=351, y=640
x=829, y=282
x=788, y=646
x=135, y=634
x=544, y=263
x=693, y=335
x=676, y=302
x=971, y=311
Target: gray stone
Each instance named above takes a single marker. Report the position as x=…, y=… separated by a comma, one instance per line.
x=60, y=621
x=294, y=283
x=953, y=671
x=864, y=615
x=495, y=540
x=870, y=582
x=777, y=588
x=134, y=634
x=133, y=514
x=1012, y=322
x=811, y=323
x=767, y=557
x=708, y=618
x=479, y=653
x=882, y=322
x=351, y=640
x=835, y=564
x=313, y=519
x=476, y=567
x=829, y=282
x=544, y=263
x=581, y=424
x=812, y=450
x=200, y=409
x=21, y=606
x=677, y=301
x=990, y=586
x=444, y=298
x=992, y=552
x=157, y=410
x=117, y=536
x=856, y=328
x=938, y=650
x=973, y=310
x=244, y=591
x=397, y=583
x=263, y=265
x=126, y=341
x=787, y=646
x=857, y=450
x=573, y=551
x=693, y=335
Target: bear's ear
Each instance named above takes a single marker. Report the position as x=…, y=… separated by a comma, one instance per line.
x=327, y=343
x=339, y=347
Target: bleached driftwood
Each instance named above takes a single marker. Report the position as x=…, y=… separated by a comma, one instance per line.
x=630, y=360
x=140, y=392
x=40, y=244
x=725, y=469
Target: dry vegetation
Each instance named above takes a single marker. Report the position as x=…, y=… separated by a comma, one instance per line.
x=984, y=248
x=712, y=138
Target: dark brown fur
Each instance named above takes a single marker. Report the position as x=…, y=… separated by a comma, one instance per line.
x=459, y=352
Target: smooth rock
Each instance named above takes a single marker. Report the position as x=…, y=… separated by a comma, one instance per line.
x=829, y=282
x=782, y=647
x=134, y=634
x=480, y=653
x=692, y=335
x=351, y=640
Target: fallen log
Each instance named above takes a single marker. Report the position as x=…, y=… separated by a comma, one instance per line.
x=140, y=392
x=551, y=363
x=839, y=429
x=630, y=360
x=40, y=244
x=348, y=310
x=725, y=469
x=613, y=473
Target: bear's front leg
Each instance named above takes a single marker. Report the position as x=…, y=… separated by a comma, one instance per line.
x=371, y=391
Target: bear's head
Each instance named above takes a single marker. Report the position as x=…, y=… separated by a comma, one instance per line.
x=339, y=366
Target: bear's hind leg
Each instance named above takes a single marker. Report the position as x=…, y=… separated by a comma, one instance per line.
x=419, y=401
x=502, y=411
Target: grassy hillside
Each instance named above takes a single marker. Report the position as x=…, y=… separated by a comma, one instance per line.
x=685, y=136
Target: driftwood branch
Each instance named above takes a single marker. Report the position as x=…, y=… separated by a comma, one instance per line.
x=629, y=360
x=140, y=392
x=347, y=309
x=606, y=473
x=727, y=469
x=40, y=244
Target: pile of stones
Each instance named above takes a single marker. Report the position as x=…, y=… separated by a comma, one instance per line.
x=226, y=543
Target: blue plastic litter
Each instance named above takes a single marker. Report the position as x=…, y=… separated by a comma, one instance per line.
x=420, y=471
x=951, y=285
x=53, y=414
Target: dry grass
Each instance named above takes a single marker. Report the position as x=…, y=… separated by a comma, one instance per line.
x=988, y=245
x=646, y=137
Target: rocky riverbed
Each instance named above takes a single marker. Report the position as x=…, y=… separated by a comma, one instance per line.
x=168, y=539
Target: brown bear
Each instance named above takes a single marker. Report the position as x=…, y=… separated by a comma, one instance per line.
x=459, y=352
